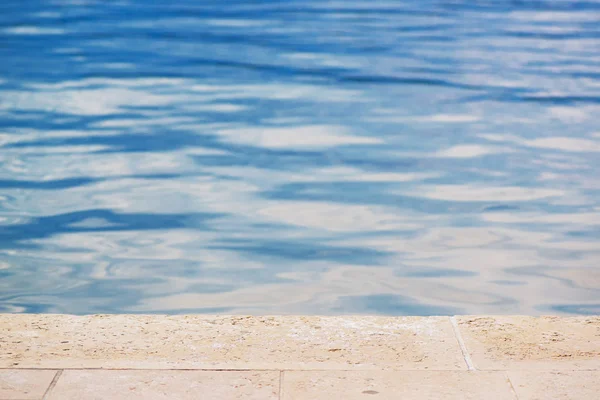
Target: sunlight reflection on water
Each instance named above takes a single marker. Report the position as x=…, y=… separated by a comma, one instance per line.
x=312, y=157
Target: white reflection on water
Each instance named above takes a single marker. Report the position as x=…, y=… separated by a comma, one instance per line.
x=33, y=30
x=298, y=137
x=301, y=157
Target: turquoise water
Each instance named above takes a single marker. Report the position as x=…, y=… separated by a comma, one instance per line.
x=318, y=157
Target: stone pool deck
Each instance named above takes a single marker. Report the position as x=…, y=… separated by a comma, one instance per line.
x=150, y=357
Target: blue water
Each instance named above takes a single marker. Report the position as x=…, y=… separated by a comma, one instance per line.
x=320, y=157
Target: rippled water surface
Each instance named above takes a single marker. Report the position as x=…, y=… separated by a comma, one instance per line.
x=319, y=157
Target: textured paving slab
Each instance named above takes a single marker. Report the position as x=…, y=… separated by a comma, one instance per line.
x=532, y=343
x=21, y=384
x=209, y=342
x=163, y=385
x=542, y=385
x=405, y=385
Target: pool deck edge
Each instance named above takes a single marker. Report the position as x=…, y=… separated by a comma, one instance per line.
x=300, y=355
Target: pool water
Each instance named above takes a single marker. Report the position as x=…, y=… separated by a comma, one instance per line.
x=300, y=156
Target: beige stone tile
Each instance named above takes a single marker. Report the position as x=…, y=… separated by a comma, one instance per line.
x=506, y=342
x=22, y=384
x=171, y=385
x=215, y=342
x=542, y=385
x=405, y=385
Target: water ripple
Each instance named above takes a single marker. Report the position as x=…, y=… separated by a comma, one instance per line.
x=327, y=157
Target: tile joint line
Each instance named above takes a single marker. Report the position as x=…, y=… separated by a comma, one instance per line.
x=461, y=343
x=510, y=384
x=281, y=373
x=52, y=384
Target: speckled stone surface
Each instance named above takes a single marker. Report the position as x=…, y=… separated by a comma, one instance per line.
x=405, y=385
x=24, y=384
x=50, y=357
x=542, y=385
x=200, y=342
x=509, y=342
x=166, y=385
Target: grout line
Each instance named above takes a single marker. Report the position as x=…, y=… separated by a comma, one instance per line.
x=52, y=384
x=281, y=384
x=512, y=387
x=382, y=368
x=463, y=347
